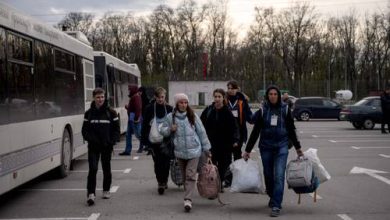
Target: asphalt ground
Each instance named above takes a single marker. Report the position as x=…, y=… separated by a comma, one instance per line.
x=361, y=194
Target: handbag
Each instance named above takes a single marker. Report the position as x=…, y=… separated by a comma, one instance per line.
x=154, y=135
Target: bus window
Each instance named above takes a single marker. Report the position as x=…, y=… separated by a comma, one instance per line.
x=3, y=84
x=64, y=61
x=19, y=48
x=20, y=99
x=45, y=104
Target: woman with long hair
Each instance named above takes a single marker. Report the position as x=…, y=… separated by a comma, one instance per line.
x=190, y=140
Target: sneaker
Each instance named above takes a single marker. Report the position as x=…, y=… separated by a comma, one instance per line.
x=124, y=154
x=161, y=189
x=275, y=212
x=106, y=194
x=91, y=199
x=187, y=205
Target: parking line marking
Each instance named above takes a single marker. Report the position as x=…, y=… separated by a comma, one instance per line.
x=344, y=217
x=312, y=195
x=384, y=155
x=100, y=171
x=358, y=141
x=314, y=136
x=135, y=157
x=357, y=148
x=127, y=170
x=113, y=189
x=93, y=216
x=333, y=141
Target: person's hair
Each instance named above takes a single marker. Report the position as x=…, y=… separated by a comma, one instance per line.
x=233, y=84
x=98, y=91
x=223, y=93
x=190, y=113
x=159, y=91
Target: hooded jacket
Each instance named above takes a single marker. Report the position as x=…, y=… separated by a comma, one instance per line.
x=101, y=127
x=135, y=102
x=273, y=135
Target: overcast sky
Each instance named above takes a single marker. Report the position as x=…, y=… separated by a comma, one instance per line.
x=240, y=11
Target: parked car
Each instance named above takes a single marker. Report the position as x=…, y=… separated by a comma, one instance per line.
x=364, y=113
x=306, y=108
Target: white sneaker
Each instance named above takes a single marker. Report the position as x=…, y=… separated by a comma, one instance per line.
x=187, y=205
x=91, y=199
x=106, y=194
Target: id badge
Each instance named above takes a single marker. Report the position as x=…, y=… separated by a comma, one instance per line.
x=235, y=113
x=274, y=120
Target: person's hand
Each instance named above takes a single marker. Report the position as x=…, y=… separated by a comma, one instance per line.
x=235, y=145
x=299, y=153
x=246, y=155
x=174, y=128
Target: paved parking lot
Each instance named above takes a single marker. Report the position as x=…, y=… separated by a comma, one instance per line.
x=357, y=160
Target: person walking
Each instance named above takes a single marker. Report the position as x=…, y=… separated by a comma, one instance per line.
x=157, y=110
x=145, y=102
x=101, y=130
x=190, y=140
x=385, y=104
x=238, y=105
x=134, y=112
x=222, y=131
x=275, y=125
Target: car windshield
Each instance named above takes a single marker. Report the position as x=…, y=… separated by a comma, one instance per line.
x=362, y=102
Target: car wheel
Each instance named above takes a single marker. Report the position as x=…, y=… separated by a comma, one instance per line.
x=357, y=125
x=368, y=124
x=304, y=116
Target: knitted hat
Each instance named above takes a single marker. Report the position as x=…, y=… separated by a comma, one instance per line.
x=180, y=96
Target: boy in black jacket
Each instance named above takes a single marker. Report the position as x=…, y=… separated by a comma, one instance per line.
x=101, y=130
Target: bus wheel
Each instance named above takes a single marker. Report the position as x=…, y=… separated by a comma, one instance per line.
x=66, y=155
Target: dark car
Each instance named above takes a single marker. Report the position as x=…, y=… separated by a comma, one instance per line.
x=363, y=114
x=306, y=108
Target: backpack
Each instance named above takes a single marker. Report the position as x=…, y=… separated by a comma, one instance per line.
x=299, y=173
x=301, y=178
x=209, y=183
x=176, y=174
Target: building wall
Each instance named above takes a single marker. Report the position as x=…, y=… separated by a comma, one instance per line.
x=193, y=88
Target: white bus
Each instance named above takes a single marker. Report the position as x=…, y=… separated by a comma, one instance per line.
x=114, y=76
x=46, y=83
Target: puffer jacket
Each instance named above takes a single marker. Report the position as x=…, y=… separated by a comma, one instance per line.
x=189, y=140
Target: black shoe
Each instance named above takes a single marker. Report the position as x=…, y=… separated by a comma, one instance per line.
x=384, y=132
x=149, y=152
x=140, y=151
x=91, y=199
x=275, y=212
x=161, y=189
x=124, y=154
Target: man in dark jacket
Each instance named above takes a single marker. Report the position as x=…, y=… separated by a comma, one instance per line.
x=276, y=125
x=101, y=130
x=385, y=103
x=159, y=109
x=238, y=105
x=134, y=112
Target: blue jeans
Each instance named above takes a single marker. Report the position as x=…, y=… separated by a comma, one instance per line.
x=274, y=164
x=132, y=128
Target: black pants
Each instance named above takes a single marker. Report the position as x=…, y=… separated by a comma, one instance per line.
x=222, y=162
x=237, y=154
x=93, y=160
x=386, y=120
x=161, y=164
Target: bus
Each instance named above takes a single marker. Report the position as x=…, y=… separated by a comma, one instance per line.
x=114, y=76
x=46, y=84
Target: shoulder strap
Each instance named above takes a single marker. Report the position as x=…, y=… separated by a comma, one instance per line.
x=240, y=107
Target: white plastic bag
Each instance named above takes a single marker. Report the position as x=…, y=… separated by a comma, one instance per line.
x=154, y=135
x=246, y=176
x=318, y=168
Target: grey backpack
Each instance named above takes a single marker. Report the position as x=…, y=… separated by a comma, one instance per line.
x=299, y=173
